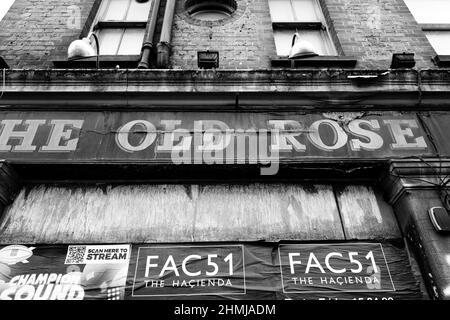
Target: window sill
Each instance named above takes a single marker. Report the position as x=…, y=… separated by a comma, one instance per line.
x=435, y=26
x=442, y=60
x=319, y=61
x=105, y=62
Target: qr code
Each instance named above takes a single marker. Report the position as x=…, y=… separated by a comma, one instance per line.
x=75, y=255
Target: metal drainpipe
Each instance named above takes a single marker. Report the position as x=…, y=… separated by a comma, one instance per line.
x=163, y=46
x=147, y=46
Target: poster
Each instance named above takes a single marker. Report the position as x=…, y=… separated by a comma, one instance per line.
x=378, y=271
x=189, y=271
x=63, y=272
x=316, y=268
x=210, y=271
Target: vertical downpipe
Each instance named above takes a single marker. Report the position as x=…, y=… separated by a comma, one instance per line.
x=163, y=46
x=147, y=46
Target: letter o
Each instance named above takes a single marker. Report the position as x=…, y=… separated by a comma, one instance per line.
x=122, y=136
x=28, y=290
x=7, y=294
x=339, y=139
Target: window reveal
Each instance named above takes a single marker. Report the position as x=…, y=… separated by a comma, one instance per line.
x=120, y=26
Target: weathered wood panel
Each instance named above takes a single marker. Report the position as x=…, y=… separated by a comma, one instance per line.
x=119, y=214
x=171, y=213
x=365, y=215
x=258, y=211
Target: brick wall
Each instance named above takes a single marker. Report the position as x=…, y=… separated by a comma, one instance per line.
x=372, y=30
x=34, y=32
x=243, y=41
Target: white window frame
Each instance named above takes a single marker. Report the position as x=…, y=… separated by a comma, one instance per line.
x=100, y=24
x=299, y=25
x=431, y=27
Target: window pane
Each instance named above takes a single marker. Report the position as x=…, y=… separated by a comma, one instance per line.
x=295, y=10
x=4, y=7
x=210, y=15
x=306, y=10
x=132, y=41
x=109, y=40
x=283, y=40
x=319, y=40
x=440, y=40
x=430, y=11
x=281, y=10
x=114, y=10
x=139, y=11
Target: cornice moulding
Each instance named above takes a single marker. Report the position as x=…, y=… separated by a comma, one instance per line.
x=274, y=87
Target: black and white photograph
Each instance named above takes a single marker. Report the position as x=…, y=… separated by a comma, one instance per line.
x=224, y=159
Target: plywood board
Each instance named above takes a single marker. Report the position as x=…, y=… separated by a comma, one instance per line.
x=172, y=213
x=365, y=215
x=120, y=214
x=267, y=212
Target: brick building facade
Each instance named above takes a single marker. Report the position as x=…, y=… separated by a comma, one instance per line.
x=363, y=153
x=34, y=33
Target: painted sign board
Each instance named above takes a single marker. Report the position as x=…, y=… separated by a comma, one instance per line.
x=209, y=138
x=258, y=271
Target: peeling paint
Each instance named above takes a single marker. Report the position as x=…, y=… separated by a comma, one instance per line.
x=364, y=214
x=343, y=117
x=183, y=213
x=168, y=213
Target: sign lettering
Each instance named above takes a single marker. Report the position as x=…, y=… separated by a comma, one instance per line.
x=201, y=138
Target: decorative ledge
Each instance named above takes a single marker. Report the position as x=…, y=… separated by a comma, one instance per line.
x=105, y=62
x=274, y=88
x=319, y=61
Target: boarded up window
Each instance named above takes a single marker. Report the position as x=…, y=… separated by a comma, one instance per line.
x=187, y=213
x=365, y=214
